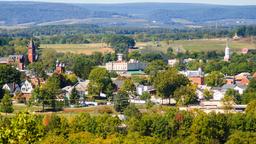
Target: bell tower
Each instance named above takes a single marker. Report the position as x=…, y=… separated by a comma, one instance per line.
x=31, y=51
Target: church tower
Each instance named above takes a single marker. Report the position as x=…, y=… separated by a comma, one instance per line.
x=227, y=53
x=31, y=52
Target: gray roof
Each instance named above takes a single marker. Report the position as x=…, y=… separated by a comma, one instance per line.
x=228, y=86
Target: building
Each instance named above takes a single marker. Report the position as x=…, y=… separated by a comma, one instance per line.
x=13, y=88
x=60, y=67
x=121, y=66
x=31, y=52
x=227, y=53
x=27, y=87
x=196, y=77
x=141, y=89
x=236, y=37
x=173, y=62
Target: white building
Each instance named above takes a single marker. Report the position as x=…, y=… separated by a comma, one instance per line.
x=27, y=87
x=121, y=66
x=141, y=89
x=12, y=88
x=173, y=62
x=227, y=53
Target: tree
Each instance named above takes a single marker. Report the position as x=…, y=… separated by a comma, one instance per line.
x=129, y=87
x=240, y=137
x=82, y=67
x=121, y=101
x=134, y=55
x=120, y=43
x=214, y=79
x=74, y=96
x=6, y=104
x=38, y=69
x=132, y=111
x=234, y=95
x=186, y=95
x=8, y=74
x=208, y=94
x=228, y=102
x=99, y=81
x=168, y=81
x=154, y=67
x=250, y=92
x=47, y=93
x=23, y=128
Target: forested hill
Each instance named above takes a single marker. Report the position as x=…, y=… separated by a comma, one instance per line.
x=12, y=13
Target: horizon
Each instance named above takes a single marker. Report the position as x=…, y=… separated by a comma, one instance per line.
x=210, y=2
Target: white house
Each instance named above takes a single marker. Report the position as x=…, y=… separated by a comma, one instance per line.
x=173, y=62
x=141, y=89
x=27, y=87
x=12, y=88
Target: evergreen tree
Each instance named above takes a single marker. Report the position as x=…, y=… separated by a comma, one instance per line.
x=6, y=104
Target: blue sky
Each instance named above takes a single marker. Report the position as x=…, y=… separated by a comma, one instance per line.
x=223, y=2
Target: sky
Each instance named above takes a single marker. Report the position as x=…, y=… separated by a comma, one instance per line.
x=221, y=2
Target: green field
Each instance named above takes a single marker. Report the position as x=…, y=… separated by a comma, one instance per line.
x=182, y=45
x=197, y=45
x=78, y=48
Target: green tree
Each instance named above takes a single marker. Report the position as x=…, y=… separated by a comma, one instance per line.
x=208, y=94
x=132, y=111
x=121, y=101
x=74, y=96
x=215, y=79
x=250, y=92
x=120, y=43
x=234, y=95
x=99, y=81
x=154, y=67
x=168, y=81
x=6, y=105
x=186, y=95
x=38, y=69
x=129, y=87
x=8, y=74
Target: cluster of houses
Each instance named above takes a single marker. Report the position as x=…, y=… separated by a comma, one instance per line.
x=126, y=68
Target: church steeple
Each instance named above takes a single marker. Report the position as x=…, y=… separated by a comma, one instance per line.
x=31, y=51
x=227, y=52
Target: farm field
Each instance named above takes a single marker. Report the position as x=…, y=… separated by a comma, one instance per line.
x=182, y=45
x=78, y=48
x=196, y=45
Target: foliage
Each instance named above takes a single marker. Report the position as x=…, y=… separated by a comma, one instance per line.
x=74, y=96
x=121, y=101
x=100, y=81
x=214, y=79
x=120, y=43
x=8, y=74
x=168, y=81
x=208, y=94
x=250, y=92
x=132, y=111
x=154, y=67
x=6, y=105
x=186, y=95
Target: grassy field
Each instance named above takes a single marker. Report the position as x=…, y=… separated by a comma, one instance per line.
x=196, y=45
x=182, y=45
x=78, y=48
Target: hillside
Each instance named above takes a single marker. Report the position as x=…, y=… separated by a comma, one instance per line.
x=141, y=14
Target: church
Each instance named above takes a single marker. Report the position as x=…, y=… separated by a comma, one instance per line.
x=21, y=60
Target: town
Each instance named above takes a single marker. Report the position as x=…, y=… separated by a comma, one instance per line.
x=146, y=73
